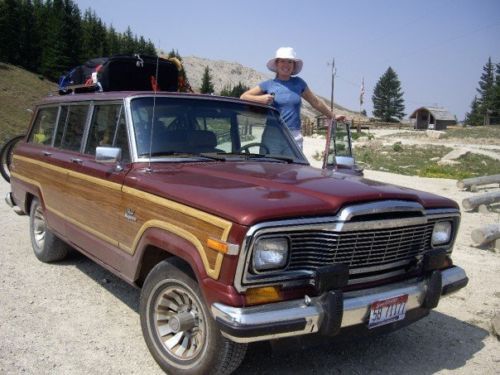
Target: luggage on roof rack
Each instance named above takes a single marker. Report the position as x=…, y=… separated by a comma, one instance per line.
x=123, y=73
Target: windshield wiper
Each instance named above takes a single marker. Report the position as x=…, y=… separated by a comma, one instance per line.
x=182, y=155
x=285, y=159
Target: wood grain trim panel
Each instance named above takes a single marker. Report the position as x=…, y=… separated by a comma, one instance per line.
x=212, y=270
x=212, y=260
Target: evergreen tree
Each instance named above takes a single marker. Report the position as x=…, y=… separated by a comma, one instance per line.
x=486, y=90
x=10, y=31
x=235, y=91
x=94, y=37
x=226, y=90
x=112, y=41
x=30, y=39
x=51, y=36
x=474, y=117
x=496, y=95
x=387, y=98
x=127, y=42
x=207, y=86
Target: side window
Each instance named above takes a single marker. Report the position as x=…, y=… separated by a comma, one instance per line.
x=107, y=128
x=43, y=127
x=102, y=127
x=71, y=127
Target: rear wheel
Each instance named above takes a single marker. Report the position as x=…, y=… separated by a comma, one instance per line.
x=46, y=246
x=6, y=156
x=178, y=327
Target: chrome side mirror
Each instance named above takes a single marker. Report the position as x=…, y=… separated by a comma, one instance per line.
x=109, y=155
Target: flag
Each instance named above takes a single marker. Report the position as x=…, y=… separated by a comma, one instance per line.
x=362, y=92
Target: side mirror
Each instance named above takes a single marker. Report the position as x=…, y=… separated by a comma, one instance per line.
x=338, y=149
x=108, y=155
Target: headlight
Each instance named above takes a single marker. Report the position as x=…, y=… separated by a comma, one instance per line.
x=441, y=233
x=270, y=253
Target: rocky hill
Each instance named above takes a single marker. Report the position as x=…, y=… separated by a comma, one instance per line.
x=225, y=73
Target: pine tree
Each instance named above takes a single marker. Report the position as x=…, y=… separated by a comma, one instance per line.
x=388, y=103
x=486, y=91
x=496, y=95
x=10, y=31
x=235, y=91
x=474, y=117
x=239, y=89
x=207, y=86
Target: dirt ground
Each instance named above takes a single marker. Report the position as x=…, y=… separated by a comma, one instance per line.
x=75, y=317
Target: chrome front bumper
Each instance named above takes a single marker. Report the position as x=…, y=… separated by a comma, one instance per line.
x=300, y=317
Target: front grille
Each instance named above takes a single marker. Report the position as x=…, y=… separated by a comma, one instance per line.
x=378, y=241
x=360, y=250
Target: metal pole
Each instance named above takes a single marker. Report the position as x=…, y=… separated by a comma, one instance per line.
x=333, y=84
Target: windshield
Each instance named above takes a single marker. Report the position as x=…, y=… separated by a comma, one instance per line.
x=193, y=127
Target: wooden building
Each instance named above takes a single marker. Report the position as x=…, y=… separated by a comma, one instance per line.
x=435, y=118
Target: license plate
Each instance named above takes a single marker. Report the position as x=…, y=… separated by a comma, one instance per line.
x=387, y=311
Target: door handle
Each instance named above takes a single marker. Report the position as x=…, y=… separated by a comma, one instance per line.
x=76, y=161
x=47, y=153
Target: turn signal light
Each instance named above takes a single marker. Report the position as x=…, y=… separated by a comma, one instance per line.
x=265, y=294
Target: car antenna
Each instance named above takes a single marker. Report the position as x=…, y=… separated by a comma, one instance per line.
x=154, y=84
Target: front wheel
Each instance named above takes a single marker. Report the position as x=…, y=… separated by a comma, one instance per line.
x=178, y=327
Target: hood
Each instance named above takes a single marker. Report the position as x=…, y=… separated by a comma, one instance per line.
x=251, y=192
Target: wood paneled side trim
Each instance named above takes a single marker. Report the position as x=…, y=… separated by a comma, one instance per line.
x=63, y=216
x=186, y=210
x=82, y=176
x=211, y=260
x=212, y=271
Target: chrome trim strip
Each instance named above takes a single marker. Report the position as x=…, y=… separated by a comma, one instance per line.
x=350, y=212
x=356, y=307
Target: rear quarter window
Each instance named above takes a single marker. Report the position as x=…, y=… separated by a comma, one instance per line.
x=43, y=126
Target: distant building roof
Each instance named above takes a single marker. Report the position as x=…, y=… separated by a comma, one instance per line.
x=439, y=113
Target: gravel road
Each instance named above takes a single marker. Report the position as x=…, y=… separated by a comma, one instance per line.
x=75, y=317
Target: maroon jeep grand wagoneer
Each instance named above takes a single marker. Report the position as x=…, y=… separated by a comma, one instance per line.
x=207, y=205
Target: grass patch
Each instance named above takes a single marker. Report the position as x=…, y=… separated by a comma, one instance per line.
x=475, y=132
x=422, y=161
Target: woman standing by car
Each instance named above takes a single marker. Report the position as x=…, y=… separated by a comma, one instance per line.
x=286, y=91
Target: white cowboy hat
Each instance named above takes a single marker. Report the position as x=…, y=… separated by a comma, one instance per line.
x=286, y=53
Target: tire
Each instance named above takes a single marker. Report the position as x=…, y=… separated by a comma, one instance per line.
x=46, y=246
x=6, y=156
x=183, y=337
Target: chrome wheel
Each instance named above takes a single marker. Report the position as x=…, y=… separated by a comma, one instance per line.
x=39, y=227
x=179, y=322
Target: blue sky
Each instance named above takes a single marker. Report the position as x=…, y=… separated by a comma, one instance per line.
x=438, y=48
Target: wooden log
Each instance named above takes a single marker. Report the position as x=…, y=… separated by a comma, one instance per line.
x=484, y=180
x=471, y=203
x=486, y=234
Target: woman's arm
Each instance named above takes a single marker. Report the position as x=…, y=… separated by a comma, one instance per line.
x=255, y=94
x=319, y=105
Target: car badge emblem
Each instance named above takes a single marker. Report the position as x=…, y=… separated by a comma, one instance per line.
x=130, y=214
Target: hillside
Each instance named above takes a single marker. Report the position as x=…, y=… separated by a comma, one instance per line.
x=20, y=89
